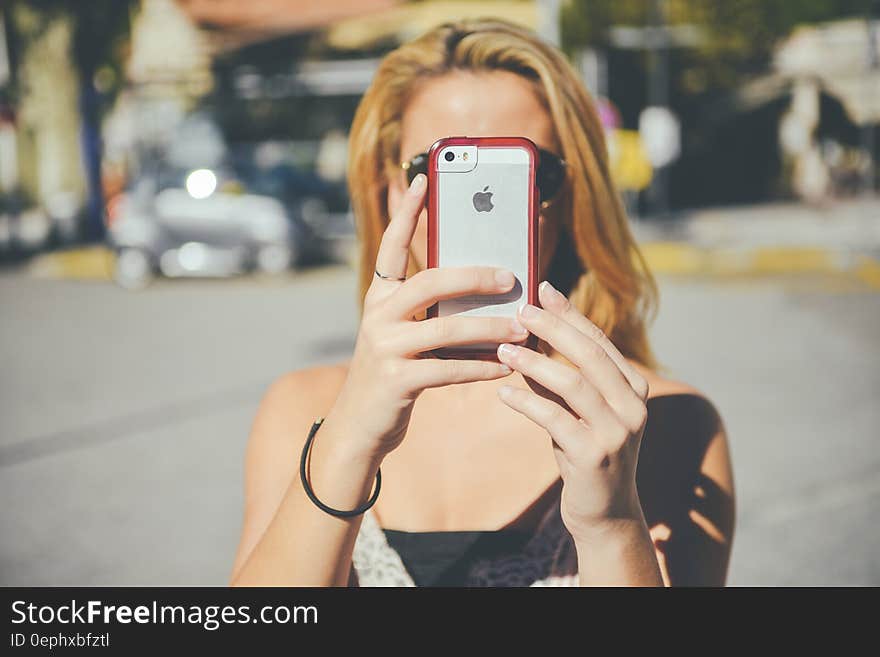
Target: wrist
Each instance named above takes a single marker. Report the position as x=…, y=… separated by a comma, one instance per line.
x=626, y=521
x=337, y=477
x=612, y=532
x=342, y=443
x=618, y=553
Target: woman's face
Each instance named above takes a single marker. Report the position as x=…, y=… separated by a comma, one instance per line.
x=494, y=103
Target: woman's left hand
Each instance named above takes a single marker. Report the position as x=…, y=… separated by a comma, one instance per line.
x=593, y=409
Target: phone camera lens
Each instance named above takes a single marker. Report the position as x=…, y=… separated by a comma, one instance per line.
x=449, y=156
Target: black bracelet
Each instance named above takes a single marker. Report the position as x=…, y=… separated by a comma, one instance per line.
x=305, y=481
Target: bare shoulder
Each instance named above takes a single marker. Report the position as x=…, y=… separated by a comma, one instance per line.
x=685, y=431
x=678, y=401
x=286, y=412
x=311, y=390
x=290, y=405
x=661, y=385
x=685, y=438
x=314, y=383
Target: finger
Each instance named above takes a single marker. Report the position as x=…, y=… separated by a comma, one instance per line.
x=416, y=337
x=564, y=428
x=557, y=303
x=585, y=353
x=434, y=372
x=431, y=285
x=392, y=258
x=568, y=382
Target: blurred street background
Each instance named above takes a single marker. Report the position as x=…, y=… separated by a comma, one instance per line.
x=175, y=233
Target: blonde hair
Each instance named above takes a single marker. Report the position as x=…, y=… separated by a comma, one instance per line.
x=597, y=263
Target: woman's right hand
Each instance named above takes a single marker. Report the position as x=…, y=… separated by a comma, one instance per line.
x=386, y=373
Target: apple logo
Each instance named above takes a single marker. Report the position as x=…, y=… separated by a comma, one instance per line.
x=483, y=200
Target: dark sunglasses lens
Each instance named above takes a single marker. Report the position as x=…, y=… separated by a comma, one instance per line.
x=417, y=165
x=551, y=175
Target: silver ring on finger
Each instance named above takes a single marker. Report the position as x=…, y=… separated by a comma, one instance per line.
x=390, y=278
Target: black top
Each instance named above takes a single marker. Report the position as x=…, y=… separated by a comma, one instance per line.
x=443, y=558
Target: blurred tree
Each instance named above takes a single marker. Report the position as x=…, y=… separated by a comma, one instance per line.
x=100, y=34
x=739, y=34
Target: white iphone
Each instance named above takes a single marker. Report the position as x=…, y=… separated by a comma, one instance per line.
x=483, y=210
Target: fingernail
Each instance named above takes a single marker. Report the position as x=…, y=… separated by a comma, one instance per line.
x=516, y=327
x=418, y=182
x=505, y=368
x=550, y=291
x=506, y=350
x=504, y=278
x=528, y=311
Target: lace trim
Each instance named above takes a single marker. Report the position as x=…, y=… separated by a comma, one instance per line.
x=548, y=559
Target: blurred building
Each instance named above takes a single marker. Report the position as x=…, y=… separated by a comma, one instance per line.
x=833, y=73
x=808, y=122
x=264, y=92
x=224, y=151
x=42, y=181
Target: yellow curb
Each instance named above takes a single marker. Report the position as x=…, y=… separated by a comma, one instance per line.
x=682, y=258
x=868, y=271
x=673, y=257
x=728, y=262
x=788, y=260
x=87, y=263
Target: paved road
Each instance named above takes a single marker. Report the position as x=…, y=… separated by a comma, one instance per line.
x=123, y=417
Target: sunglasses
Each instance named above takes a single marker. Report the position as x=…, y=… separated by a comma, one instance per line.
x=549, y=176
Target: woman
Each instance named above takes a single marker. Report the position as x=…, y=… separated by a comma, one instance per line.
x=634, y=485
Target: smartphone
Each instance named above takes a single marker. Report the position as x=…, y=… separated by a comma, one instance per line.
x=483, y=210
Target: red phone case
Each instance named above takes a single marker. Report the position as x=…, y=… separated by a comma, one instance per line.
x=433, y=218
